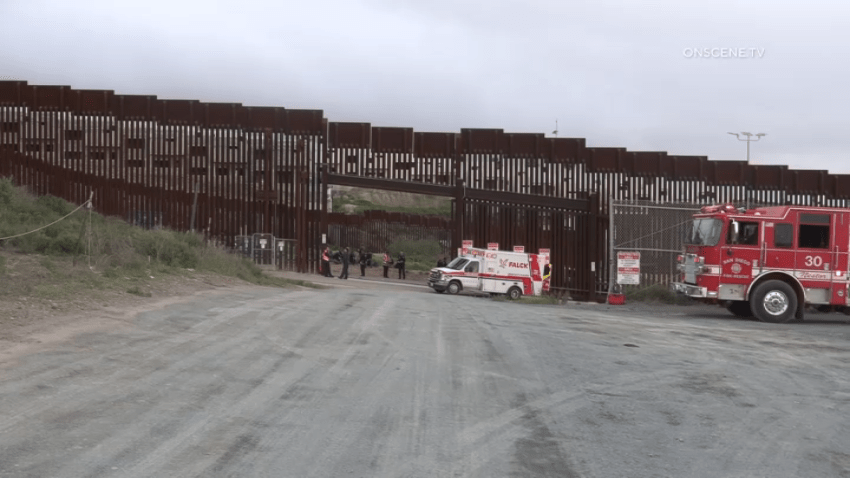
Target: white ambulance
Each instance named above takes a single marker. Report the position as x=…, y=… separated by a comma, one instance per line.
x=495, y=272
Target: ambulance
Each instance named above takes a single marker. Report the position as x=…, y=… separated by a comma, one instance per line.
x=495, y=272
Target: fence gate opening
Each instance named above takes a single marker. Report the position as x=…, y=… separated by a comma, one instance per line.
x=645, y=239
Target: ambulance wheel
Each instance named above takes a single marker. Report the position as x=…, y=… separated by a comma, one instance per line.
x=454, y=287
x=740, y=308
x=774, y=301
x=514, y=293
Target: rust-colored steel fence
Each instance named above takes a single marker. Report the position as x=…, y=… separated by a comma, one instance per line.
x=229, y=170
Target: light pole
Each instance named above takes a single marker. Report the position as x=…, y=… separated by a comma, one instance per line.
x=749, y=137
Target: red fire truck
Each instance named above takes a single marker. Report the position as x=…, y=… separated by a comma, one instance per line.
x=768, y=262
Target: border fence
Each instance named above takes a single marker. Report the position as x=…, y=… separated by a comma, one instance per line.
x=230, y=170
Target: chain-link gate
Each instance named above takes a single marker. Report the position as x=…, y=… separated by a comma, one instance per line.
x=645, y=239
x=265, y=249
x=286, y=254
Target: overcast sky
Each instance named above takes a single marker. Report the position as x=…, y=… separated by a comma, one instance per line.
x=647, y=76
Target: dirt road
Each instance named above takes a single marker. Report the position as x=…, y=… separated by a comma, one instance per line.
x=375, y=380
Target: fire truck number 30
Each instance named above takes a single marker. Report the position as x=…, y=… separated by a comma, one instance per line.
x=814, y=261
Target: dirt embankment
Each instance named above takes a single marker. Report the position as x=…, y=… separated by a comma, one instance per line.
x=43, y=300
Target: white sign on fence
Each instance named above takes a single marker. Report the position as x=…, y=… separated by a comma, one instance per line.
x=628, y=268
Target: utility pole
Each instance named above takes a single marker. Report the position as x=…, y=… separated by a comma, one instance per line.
x=748, y=138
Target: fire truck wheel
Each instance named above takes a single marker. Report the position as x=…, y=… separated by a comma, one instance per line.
x=774, y=301
x=454, y=287
x=739, y=308
x=514, y=293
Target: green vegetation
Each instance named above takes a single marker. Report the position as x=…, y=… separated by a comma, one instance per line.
x=88, y=251
x=420, y=255
x=656, y=293
x=356, y=201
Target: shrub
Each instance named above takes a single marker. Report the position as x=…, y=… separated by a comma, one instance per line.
x=657, y=293
x=55, y=204
x=167, y=247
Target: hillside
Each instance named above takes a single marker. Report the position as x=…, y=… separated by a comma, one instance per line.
x=56, y=257
x=352, y=200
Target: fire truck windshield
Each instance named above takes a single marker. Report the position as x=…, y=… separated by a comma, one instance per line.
x=704, y=232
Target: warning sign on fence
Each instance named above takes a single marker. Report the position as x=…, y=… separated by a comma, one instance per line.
x=467, y=245
x=628, y=268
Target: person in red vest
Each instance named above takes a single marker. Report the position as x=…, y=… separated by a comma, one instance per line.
x=326, y=262
x=388, y=261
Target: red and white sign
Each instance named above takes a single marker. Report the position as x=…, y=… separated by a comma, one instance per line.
x=543, y=251
x=519, y=248
x=628, y=268
x=467, y=245
x=493, y=246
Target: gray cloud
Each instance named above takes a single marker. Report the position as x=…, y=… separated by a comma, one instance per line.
x=613, y=72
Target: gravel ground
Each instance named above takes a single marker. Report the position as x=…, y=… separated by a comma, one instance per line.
x=385, y=378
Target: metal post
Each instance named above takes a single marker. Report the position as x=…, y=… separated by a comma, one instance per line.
x=194, y=209
x=612, y=261
x=592, y=237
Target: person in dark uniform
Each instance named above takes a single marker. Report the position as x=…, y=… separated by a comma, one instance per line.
x=400, y=266
x=363, y=260
x=346, y=258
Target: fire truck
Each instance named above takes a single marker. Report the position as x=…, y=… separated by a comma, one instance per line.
x=768, y=262
x=494, y=272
